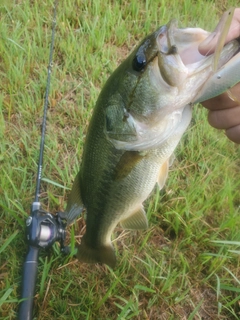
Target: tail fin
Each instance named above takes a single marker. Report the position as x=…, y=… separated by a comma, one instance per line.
x=104, y=254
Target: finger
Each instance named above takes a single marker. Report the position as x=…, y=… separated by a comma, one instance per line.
x=234, y=31
x=224, y=119
x=209, y=44
x=234, y=134
x=224, y=101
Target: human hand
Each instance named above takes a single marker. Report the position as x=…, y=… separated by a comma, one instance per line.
x=224, y=113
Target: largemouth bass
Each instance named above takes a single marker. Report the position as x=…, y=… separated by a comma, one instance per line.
x=140, y=116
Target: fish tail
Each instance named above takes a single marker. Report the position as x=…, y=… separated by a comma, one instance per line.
x=104, y=254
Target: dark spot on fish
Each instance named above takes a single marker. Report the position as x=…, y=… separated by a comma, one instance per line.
x=173, y=50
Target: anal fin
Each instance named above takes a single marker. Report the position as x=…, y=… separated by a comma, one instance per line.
x=163, y=174
x=136, y=221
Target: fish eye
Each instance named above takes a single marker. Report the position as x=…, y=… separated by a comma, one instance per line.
x=139, y=62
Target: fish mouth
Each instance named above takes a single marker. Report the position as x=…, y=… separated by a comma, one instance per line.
x=184, y=44
x=177, y=70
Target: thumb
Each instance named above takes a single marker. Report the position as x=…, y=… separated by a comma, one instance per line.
x=209, y=44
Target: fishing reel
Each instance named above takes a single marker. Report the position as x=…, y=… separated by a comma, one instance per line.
x=44, y=229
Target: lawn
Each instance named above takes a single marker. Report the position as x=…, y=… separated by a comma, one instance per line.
x=187, y=264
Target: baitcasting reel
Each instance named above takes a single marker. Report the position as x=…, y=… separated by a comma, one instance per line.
x=44, y=229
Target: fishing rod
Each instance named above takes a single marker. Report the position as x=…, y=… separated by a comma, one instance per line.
x=43, y=229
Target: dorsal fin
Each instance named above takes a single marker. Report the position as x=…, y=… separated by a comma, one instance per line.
x=75, y=204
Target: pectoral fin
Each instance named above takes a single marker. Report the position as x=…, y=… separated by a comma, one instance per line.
x=75, y=204
x=137, y=220
x=126, y=163
x=163, y=174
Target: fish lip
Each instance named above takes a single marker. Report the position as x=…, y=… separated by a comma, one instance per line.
x=233, y=53
x=238, y=40
x=164, y=36
x=170, y=39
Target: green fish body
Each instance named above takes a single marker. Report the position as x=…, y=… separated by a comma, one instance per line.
x=139, y=118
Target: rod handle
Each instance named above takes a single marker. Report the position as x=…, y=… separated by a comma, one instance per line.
x=29, y=277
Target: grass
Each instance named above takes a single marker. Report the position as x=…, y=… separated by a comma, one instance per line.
x=186, y=265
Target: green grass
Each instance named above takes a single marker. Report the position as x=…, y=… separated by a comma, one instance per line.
x=186, y=265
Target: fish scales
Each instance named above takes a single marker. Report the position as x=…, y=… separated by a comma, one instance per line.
x=139, y=118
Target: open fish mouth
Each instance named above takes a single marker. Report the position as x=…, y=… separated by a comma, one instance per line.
x=171, y=75
x=179, y=55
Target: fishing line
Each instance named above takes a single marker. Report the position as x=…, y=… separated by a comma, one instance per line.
x=42, y=228
x=46, y=104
